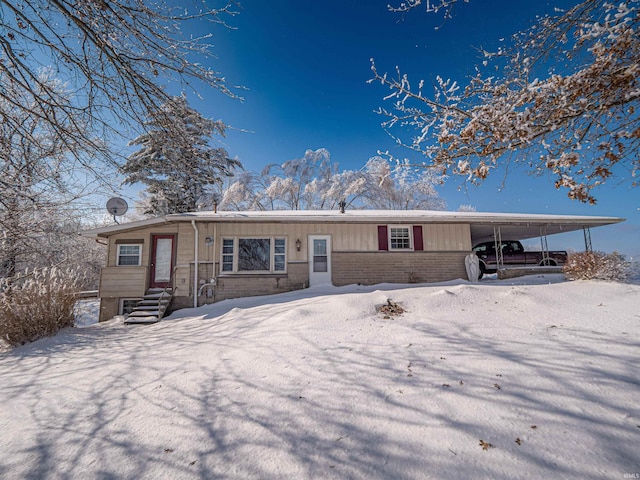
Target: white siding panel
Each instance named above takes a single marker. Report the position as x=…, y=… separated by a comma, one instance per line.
x=446, y=237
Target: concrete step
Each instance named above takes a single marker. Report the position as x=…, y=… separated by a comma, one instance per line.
x=153, y=301
x=149, y=296
x=151, y=307
x=141, y=320
x=144, y=312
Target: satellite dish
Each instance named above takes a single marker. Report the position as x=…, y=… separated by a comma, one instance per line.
x=117, y=207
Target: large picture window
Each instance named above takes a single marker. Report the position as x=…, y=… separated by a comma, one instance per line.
x=254, y=254
x=257, y=255
x=129, y=255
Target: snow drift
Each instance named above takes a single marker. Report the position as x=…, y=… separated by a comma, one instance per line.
x=534, y=378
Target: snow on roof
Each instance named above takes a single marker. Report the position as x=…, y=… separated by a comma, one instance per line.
x=363, y=216
x=376, y=215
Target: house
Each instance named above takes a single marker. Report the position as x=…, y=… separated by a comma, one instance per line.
x=204, y=257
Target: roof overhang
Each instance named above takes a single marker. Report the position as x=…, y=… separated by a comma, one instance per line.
x=512, y=226
x=121, y=227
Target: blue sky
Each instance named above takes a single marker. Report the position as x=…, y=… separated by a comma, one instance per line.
x=305, y=66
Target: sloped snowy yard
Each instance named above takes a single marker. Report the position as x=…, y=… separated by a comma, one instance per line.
x=315, y=384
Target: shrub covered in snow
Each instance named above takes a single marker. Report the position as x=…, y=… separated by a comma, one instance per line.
x=596, y=265
x=38, y=303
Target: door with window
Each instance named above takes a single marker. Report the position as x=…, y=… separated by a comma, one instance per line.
x=162, y=260
x=319, y=259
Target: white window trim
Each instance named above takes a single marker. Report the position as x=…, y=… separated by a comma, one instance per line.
x=272, y=254
x=409, y=229
x=120, y=245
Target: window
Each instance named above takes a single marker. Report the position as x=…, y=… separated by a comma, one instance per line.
x=227, y=255
x=400, y=238
x=258, y=255
x=129, y=255
x=127, y=305
x=279, y=255
x=320, y=258
x=254, y=254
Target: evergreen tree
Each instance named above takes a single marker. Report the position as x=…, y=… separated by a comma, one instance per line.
x=176, y=160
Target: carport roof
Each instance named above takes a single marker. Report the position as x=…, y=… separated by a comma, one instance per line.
x=513, y=226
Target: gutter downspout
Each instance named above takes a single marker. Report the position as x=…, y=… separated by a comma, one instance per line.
x=195, y=265
x=215, y=248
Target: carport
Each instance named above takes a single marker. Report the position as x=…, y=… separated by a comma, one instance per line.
x=502, y=227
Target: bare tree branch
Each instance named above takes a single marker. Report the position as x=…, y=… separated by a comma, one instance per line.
x=566, y=102
x=116, y=57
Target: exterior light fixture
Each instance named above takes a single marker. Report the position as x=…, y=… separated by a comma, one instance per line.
x=298, y=244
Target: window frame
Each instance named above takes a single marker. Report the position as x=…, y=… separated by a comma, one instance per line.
x=409, y=229
x=122, y=302
x=234, y=242
x=119, y=255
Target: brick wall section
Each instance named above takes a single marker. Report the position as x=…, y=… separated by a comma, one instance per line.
x=296, y=278
x=369, y=268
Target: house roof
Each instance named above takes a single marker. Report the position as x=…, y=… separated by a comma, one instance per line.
x=512, y=226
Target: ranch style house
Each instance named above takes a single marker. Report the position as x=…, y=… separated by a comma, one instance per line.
x=191, y=259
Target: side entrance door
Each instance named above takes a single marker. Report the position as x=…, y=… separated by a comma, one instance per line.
x=162, y=260
x=319, y=259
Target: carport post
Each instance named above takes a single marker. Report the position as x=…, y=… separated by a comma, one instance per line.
x=544, y=244
x=587, y=239
x=497, y=237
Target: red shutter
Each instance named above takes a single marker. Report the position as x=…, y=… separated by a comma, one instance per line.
x=383, y=239
x=417, y=237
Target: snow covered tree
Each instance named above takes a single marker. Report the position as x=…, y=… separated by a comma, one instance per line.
x=315, y=182
x=37, y=182
x=307, y=183
x=247, y=191
x=564, y=101
x=117, y=55
x=300, y=184
x=466, y=208
x=176, y=160
x=401, y=187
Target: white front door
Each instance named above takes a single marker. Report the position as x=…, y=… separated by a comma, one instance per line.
x=319, y=259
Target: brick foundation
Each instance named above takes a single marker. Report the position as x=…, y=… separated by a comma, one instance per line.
x=369, y=268
x=296, y=278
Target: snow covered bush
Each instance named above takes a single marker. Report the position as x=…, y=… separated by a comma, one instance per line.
x=597, y=266
x=38, y=303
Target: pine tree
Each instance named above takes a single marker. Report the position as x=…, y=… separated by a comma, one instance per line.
x=176, y=160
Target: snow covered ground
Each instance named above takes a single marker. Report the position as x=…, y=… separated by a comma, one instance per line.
x=86, y=312
x=530, y=378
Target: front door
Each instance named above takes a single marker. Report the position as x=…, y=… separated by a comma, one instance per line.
x=162, y=260
x=319, y=259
